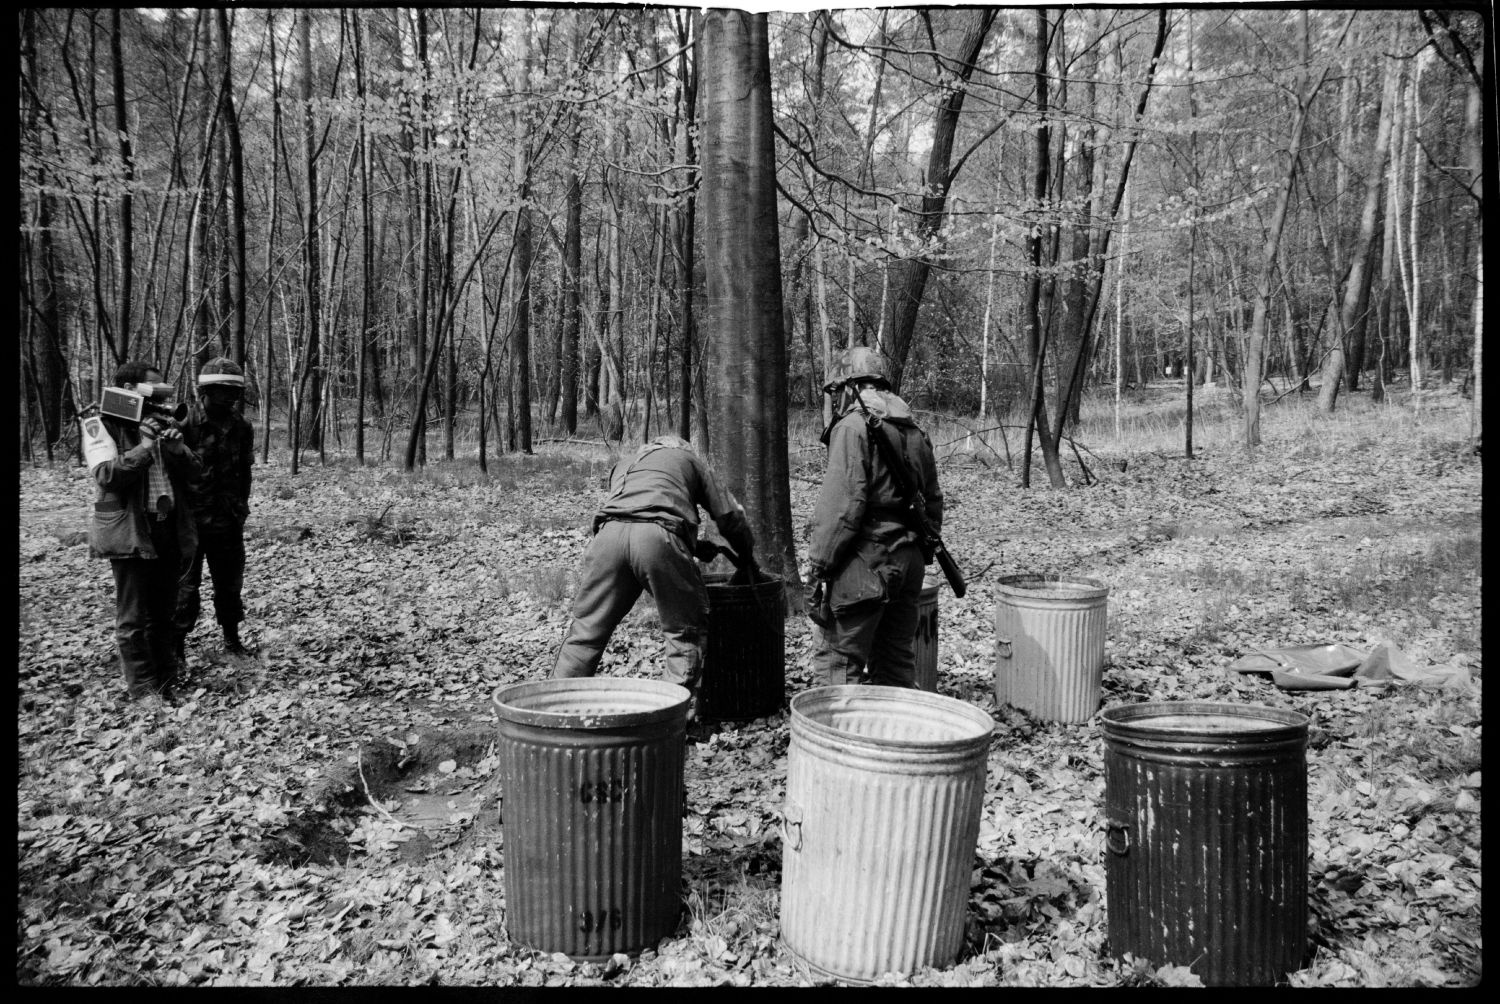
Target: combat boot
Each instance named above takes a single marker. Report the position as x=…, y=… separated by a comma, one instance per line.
x=232, y=643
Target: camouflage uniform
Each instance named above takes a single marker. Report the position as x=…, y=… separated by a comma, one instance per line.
x=225, y=443
x=869, y=562
x=644, y=536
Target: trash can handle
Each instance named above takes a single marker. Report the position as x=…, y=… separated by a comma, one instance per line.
x=1003, y=647
x=1117, y=837
x=791, y=817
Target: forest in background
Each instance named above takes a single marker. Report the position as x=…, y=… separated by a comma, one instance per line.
x=484, y=226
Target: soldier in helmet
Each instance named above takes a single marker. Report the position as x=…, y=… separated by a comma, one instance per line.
x=867, y=563
x=225, y=443
x=645, y=536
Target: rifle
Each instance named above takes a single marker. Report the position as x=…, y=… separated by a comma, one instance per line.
x=912, y=499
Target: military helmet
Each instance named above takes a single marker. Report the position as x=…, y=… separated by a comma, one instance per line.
x=221, y=372
x=858, y=363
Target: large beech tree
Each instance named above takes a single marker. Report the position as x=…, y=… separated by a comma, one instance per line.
x=742, y=316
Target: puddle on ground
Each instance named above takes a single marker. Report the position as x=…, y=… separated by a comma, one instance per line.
x=441, y=785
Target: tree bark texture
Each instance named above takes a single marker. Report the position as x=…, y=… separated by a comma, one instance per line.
x=742, y=308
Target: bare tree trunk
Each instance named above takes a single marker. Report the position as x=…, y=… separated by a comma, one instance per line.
x=989, y=307
x=1414, y=288
x=127, y=166
x=1357, y=281
x=367, y=238
x=1475, y=157
x=742, y=303
x=521, y=346
x=307, y=424
x=910, y=280
x=1036, y=340
x=273, y=196
x=687, y=155
x=1255, y=345
x=572, y=291
x=237, y=192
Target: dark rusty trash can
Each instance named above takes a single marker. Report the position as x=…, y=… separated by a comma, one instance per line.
x=926, y=642
x=592, y=788
x=744, y=664
x=1205, y=810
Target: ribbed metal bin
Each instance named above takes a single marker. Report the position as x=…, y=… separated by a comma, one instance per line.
x=591, y=770
x=744, y=663
x=926, y=643
x=1049, y=645
x=1206, y=838
x=883, y=793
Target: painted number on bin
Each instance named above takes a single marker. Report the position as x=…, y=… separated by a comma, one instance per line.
x=591, y=921
x=612, y=790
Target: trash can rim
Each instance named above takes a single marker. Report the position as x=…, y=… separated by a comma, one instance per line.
x=672, y=702
x=1048, y=586
x=1175, y=718
x=974, y=716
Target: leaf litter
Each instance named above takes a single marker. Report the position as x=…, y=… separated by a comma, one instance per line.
x=232, y=841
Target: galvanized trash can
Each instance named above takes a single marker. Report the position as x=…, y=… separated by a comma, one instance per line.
x=883, y=793
x=1205, y=810
x=926, y=643
x=1049, y=645
x=744, y=663
x=591, y=770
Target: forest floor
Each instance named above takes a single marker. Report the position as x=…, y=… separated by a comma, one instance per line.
x=325, y=813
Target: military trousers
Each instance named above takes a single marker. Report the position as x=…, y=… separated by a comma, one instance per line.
x=145, y=597
x=224, y=552
x=872, y=637
x=623, y=560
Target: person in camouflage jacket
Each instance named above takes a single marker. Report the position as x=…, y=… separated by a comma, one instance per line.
x=225, y=443
x=867, y=561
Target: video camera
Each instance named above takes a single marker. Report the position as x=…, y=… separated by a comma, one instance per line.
x=148, y=400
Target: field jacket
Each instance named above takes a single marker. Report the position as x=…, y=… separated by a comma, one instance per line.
x=857, y=502
x=119, y=527
x=221, y=496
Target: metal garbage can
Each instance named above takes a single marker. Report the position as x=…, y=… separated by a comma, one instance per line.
x=1205, y=810
x=744, y=662
x=592, y=789
x=883, y=796
x=926, y=641
x=1049, y=645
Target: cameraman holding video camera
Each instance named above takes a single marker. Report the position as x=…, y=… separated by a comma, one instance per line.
x=142, y=523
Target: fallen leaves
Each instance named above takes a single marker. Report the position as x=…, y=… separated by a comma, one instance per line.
x=139, y=835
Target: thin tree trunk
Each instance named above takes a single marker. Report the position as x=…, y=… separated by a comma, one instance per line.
x=1255, y=347
x=910, y=281
x=127, y=167
x=687, y=155
x=308, y=426
x=268, y=374
x=367, y=264
x=572, y=291
x=237, y=193
x=1036, y=340
x=1357, y=281
x=1414, y=288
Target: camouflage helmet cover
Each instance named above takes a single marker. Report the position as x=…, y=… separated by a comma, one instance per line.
x=858, y=363
x=221, y=372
